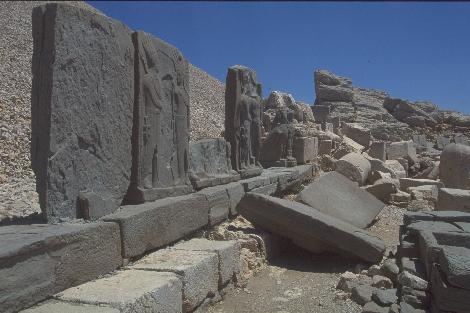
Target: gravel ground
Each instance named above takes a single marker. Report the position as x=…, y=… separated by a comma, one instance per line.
x=17, y=180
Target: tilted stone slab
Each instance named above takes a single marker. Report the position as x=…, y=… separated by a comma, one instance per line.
x=406, y=183
x=155, y=224
x=37, y=261
x=336, y=196
x=131, y=291
x=82, y=109
x=449, y=199
x=228, y=253
x=198, y=270
x=303, y=225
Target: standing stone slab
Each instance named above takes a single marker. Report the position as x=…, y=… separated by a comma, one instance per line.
x=243, y=120
x=454, y=168
x=37, y=261
x=335, y=195
x=355, y=167
x=82, y=108
x=161, y=122
x=305, y=225
x=131, y=291
x=211, y=164
x=155, y=224
x=377, y=150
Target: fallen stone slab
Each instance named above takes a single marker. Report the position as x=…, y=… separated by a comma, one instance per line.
x=336, y=196
x=155, y=224
x=355, y=167
x=406, y=183
x=82, y=109
x=37, y=261
x=303, y=225
x=198, y=271
x=454, y=168
x=436, y=216
x=130, y=291
x=228, y=253
x=449, y=199
x=54, y=306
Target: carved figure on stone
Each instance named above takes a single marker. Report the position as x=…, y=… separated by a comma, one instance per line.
x=243, y=124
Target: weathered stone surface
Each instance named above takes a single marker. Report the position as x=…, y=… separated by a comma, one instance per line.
x=362, y=294
x=304, y=225
x=198, y=270
x=385, y=297
x=235, y=193
x=409, y=280
x=155, y=224
x=243, y=120
x=406, y=183
x=380, y=281
x=455, y=264
x=267, y=190
x=382, y=189
x=377, y=150
x=454, y=169
x=131, y=291
x=37, y=261
x=54, y=306
x=305, y=149
x=277, y=148
x=320, y=112
x=390, y=269
x=409, y=113
x=397, y=168
x=228, y=253
x=355, y=167
x=453, y=200
x=336, y=196
x=442, y=142
x=372, y=307
x=82, y=108
x=358, y=133
x=325, y=147
x=161, y=122
x=211, y=164
x=218, y=202
x=329, y=87
x=402, y=149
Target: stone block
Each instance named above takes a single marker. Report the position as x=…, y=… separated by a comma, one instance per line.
x=398, y=169
x=449, y=199
x=454, y=168
x=327, y=127
x=218, y=203
x=37, y=261
x=277, y=147
x=336, y=196
x=402, y=149
x=325, y=147
x=320, y=113
x=130, y=291
x=455, y=265
x=305, y=149
x=267, y=190
x=255, y=182
x=442, y=142
x=155, y=224
x=235, y=193
x=358, y=133
x=160, y=139
x=54, y=306
x=198, y=270
x=355, y=167
x=352, y=145
x=228, y=253
x=377, y=150
x=306, y=226
x=437, y=216
x=211, y=164
x=82, y=108
x=406, y=183
x=382, y=189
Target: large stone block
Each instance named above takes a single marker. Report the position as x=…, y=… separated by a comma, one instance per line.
x=336, y=196
x=82, y=108
x=235, y=193
x=228, y=253
x=306, y=226
x=54, y=306
x=211, y=164
x=160, y=136
x=402, y=149
x=218, y=202
x=454, y=168
x=397, y=169
x=355, y=167
x=358, y=133
x=243, y=120
x=449, y=199
x=37, y=261
x=198, y=270
x=130, y=291
x=406, y=183
x=305, y=149
x=155, y=224
x=329, y=87
x=377, y=150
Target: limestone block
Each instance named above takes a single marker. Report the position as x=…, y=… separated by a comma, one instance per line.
x=37, y=261
x=82, y=108
x=355, y=167
x=198, y=270
x=155, y=224
x=305, y=149
x=358, y=133
x=130, y=291
x=449, y=199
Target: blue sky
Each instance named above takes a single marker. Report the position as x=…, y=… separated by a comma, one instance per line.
x=416, y=51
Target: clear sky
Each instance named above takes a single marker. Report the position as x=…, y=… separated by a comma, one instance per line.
x=416, y=51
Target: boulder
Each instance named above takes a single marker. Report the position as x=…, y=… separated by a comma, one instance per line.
x=355, y=167
x=450, y=199
x=402, y=149
x=305, y=226
x=335, y=195
x=454, y=168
